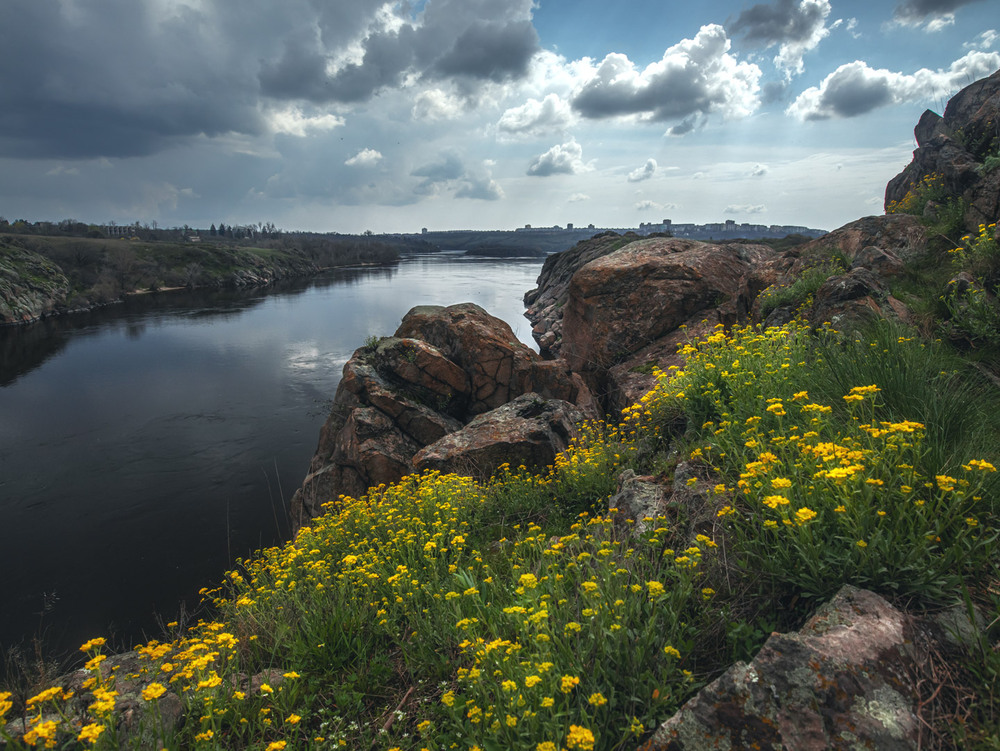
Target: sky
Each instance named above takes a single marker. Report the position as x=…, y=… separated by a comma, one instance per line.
x=355, y=115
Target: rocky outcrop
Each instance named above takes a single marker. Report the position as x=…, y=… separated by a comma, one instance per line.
x=899, y=236
x=862, y=257
x=527, y=431
x=545, y=303
x=499, y=367
x=955, y=147
x=31, y=286
x=628, y=299
x=849, y=678
x=446, y=372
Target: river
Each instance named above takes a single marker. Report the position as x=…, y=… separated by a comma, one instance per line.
x=144, y=447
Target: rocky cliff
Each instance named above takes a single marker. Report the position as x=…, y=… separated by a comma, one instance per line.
x=961, y=152
x=30, y=286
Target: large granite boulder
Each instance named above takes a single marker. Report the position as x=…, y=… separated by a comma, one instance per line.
x=499, y=367
x=849, y=678
x=623, y=301
x=545, y=303
x=443, y=367
x=954, y=148
x=527, y=431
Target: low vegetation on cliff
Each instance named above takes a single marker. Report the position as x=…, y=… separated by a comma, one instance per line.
x=523, y=613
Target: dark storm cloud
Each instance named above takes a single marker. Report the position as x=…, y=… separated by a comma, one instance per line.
x=120, y=78
x=916, y=11
x=465, y=40
x=491, y=51
x=783, y=21
x=111, y=78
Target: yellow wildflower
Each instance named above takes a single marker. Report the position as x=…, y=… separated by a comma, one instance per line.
x=153, y=691
x=90, y=733
x=567, y=683
x=580, y=737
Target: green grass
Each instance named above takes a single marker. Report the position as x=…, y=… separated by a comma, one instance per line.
x=802, y=289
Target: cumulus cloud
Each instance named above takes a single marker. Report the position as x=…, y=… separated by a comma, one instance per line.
x=364, y=158
x=534, y=117
x=562, y=159
x=482, y=187
x=448, y=167
x=797, y=27
x=745, y=208
x=933, y=14
x=450, y=171
x=695, y=77
x=758, y=170
x=643, y=173
x=577, y=197
x=854, y=88
x=294, y=122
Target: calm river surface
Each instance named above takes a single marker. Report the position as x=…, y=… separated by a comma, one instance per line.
x=146, y=446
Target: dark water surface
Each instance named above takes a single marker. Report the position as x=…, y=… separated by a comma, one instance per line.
x=145, y=446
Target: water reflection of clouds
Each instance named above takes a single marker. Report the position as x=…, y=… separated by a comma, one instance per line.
x=304, y=357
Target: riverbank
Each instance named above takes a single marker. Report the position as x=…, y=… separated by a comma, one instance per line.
x=45, y=276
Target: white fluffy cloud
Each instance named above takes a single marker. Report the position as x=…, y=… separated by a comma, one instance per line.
x=854, y=88
x=745, y=208
x=695, y=77
x=643, y=173
x=561, y=159
x=550, y=115
x=364, y=158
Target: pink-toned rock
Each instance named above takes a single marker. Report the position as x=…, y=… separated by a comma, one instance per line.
x=848, y=679
x=527, y=431
x=624, y=301
x=499, y=367
x=443, y=367
x=545, y=303
x=900, y=236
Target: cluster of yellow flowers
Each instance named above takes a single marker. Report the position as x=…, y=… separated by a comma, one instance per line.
x=931, y=186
